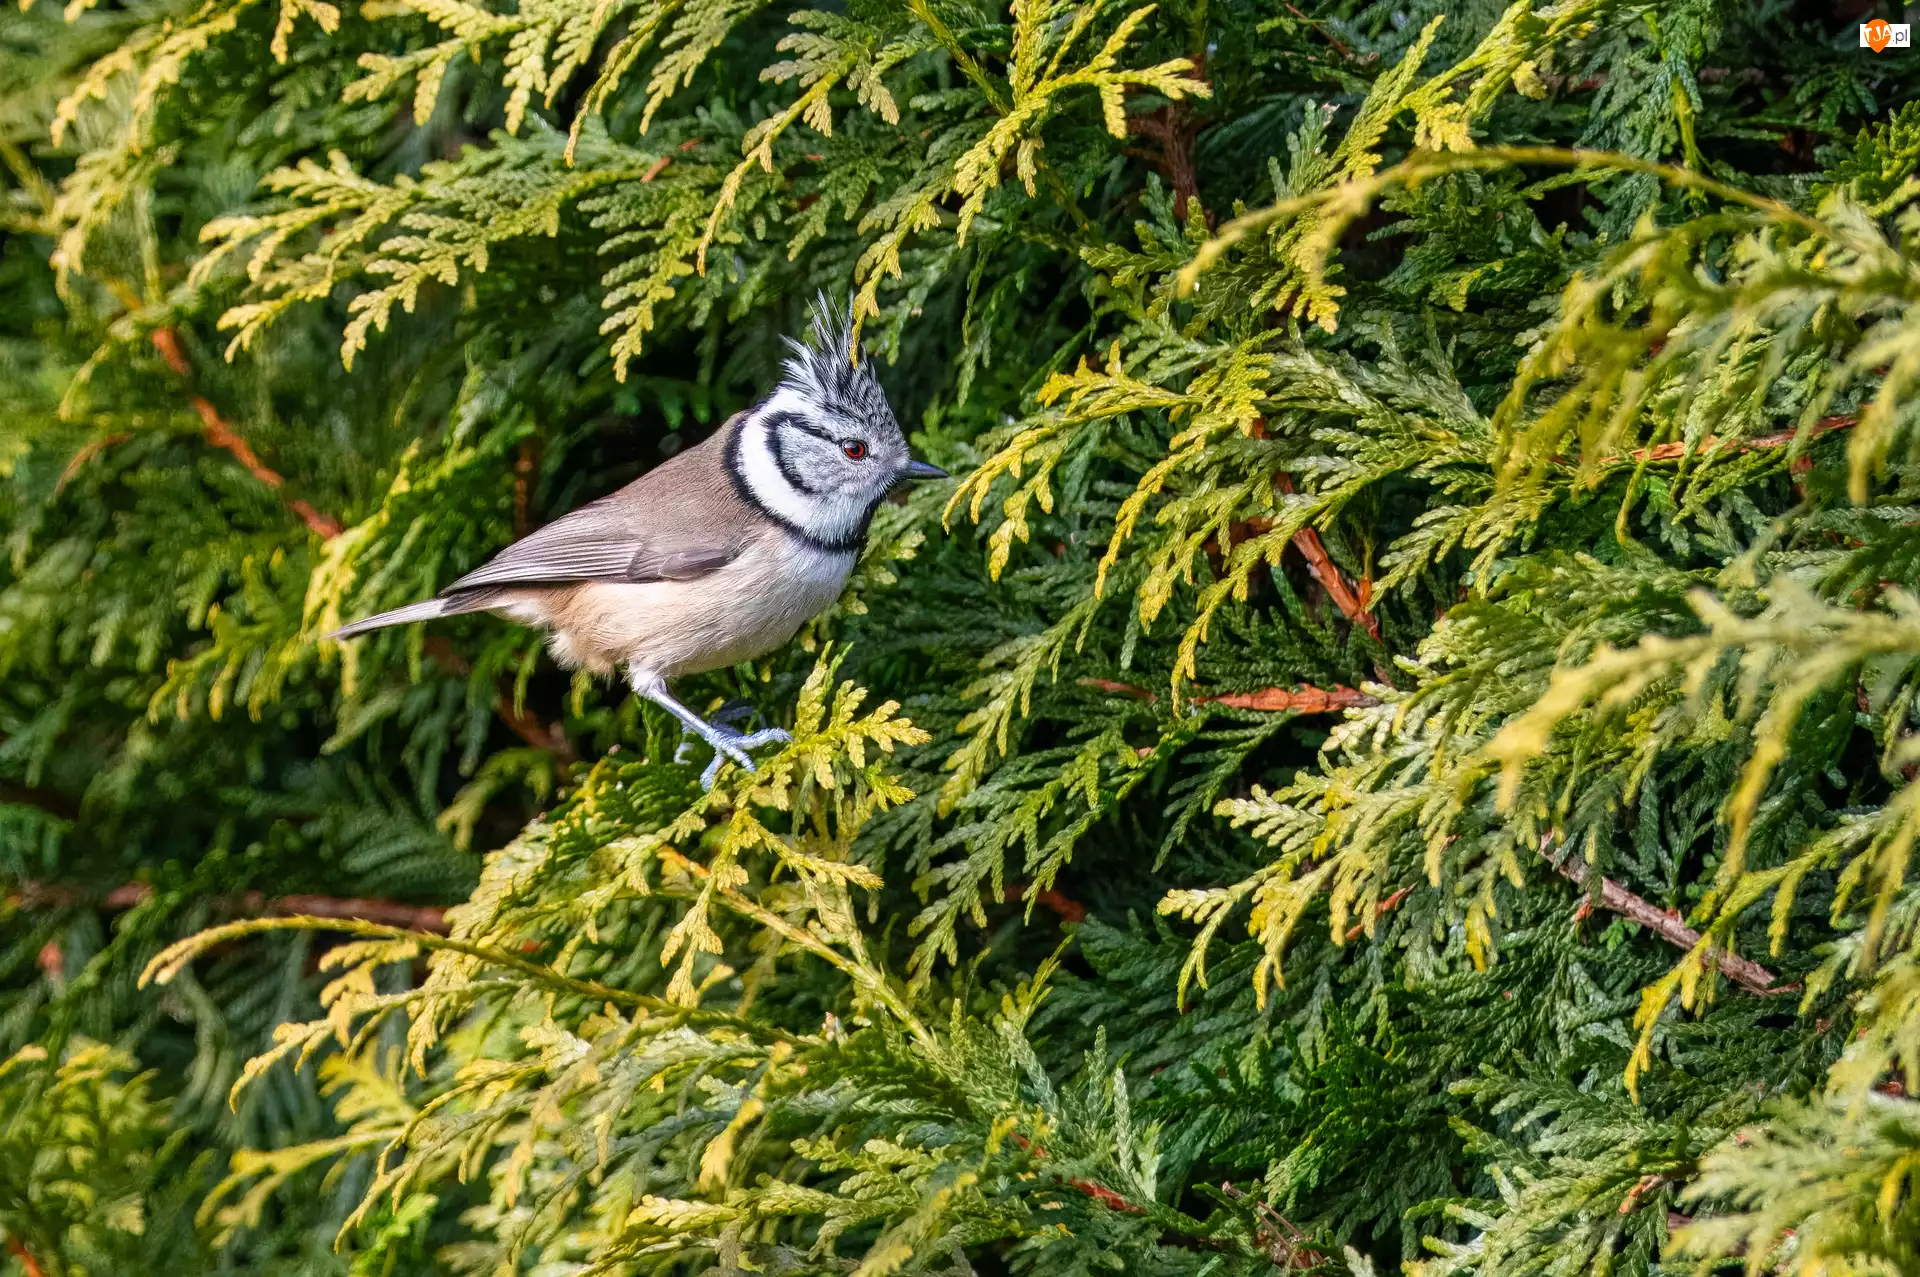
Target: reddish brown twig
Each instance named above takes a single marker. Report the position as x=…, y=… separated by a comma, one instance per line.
x=531, y=728
x=1172, y=128
x=525, y=463
x=1119, y=689
x=659, y=166
x=1098, y=1192
x=1743, y=971
x=1352, y=603
x=35, y=895
x=1105, y=1196
x=430, y=918
x=1356, y=604
x=1284, y=1243
x=1555, y=83
x=221, y=435
x=1327, y=35
x=88, y=451
x=1298, y=700
x=19, y=1251
x=1069, y=909
x=1644, y=1185
x=1673, y=450
x=1380, y=910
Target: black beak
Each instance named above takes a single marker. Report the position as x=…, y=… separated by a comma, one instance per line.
x=921, y=470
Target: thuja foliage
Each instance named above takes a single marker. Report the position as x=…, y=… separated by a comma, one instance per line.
x=1396, y=752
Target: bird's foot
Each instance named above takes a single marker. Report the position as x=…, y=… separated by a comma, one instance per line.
x=728, y=741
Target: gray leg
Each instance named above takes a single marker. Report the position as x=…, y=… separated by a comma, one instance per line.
x=726, y=742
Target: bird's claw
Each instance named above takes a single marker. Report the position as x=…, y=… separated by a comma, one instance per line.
x=729, y=743
x=712, y=771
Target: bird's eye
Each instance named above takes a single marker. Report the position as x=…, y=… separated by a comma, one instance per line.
x=855, y=450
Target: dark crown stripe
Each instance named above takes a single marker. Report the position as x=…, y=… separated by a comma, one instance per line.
x=793, y=421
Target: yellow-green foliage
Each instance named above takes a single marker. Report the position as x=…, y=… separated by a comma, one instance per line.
x=1397, y=748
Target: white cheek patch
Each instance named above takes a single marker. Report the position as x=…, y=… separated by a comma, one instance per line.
x=830, y=515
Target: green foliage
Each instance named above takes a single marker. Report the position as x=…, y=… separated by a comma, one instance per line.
x=93, y=1178
x=1398, y=748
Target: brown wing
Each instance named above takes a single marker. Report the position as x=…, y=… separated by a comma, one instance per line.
x=677, y=522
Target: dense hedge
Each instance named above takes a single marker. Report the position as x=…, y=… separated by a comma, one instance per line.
x=1395, y=749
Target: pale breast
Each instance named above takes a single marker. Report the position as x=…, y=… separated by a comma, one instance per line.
x=745, y=609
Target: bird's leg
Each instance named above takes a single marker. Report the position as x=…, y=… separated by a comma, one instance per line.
x=721, y=720
x=725, y=741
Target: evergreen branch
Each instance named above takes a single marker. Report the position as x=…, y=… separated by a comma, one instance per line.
x=961, y=55
x=758, y=145
x=170, y=961
x=863, y=974
x=1347, y=201
x=392, y=913
x=221, y=435
x=1297, y=700
x=1613, y=896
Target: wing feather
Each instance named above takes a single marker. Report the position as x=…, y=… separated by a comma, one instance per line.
x=595, y=544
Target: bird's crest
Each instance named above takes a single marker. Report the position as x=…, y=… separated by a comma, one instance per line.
x=823, y=370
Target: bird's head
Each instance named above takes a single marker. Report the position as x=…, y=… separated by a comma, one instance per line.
x=824, y=449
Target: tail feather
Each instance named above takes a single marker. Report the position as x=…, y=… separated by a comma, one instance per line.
x=423, y=611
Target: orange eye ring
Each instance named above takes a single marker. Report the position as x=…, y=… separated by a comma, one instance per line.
x=855, y=450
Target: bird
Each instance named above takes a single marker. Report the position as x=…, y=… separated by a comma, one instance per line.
x=717, y=555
